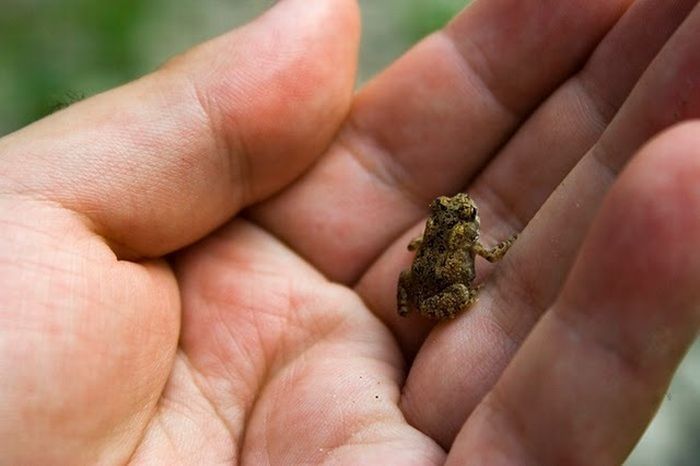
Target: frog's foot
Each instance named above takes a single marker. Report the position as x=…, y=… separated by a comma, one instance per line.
x=402, y=293
x=415, y=243
x=497, y=252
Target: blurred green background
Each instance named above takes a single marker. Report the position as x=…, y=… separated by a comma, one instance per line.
x=53, y=52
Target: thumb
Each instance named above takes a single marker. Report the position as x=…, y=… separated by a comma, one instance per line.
x=158, y=163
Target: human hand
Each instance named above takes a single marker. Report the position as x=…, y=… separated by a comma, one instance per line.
x=275, y=338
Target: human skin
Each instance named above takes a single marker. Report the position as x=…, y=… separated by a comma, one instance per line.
x=200, y=267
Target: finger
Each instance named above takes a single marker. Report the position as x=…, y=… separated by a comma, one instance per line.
x=523, y=175
x=429, y=123
x=543, y=150
x=156, y=164
x=531, y=274
x=589, y=378
x=668, y=92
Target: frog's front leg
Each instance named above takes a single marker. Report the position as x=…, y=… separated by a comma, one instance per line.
x=497, y=252
x=415, y=243
x=449, y=302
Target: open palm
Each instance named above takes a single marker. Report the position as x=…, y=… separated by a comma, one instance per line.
x=200, y=267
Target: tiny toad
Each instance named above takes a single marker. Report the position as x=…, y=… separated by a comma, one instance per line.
x=439, y=282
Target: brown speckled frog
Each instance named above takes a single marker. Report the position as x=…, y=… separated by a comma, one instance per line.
x=439, y=282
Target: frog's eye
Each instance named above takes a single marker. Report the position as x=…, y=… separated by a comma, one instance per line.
x=469, y=212
x=439, y=204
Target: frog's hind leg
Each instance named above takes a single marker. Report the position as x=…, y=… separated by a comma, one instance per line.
x=402, y=293
x=450, y=302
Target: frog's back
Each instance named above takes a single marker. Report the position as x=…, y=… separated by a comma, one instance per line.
x=429, y=258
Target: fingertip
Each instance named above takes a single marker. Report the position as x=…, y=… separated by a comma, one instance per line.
x=636, y=276
x=281, y=101
x=656, y=203
x=676, y=146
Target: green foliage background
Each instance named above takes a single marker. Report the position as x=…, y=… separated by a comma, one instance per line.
x=53, y=52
